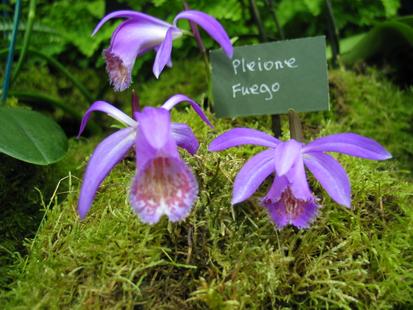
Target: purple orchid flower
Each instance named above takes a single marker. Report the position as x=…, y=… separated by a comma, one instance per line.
x=140, y=33
x=289, y=199
x=163, y=184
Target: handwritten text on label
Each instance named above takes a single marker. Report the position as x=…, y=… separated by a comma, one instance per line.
x=258, y=65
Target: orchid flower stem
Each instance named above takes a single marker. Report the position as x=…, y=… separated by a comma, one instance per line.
x=26, y=39
x=136, y=107
x=271, y=6
x=195, y=32
x=296, y=130
x=276, y=125
x=57, y=65
x=6, y=81
x=210, y=103
x=257, y=17
x=201, y=47
x=275, y=119
x=333, y=33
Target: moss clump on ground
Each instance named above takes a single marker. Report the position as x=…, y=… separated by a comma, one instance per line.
x=24, y=191
x=371, y=106
x=231, y=257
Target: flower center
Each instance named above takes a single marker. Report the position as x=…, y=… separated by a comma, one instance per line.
x=293, y=206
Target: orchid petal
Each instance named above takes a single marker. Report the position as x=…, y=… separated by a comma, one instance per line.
x=109, y=109
x=164, y=186
x=184, y=137
x=331, y=176
x=298, y=181
x=211, y=26
x=241, y=136
x=286, y=155
x=169, y=63
x=163, y=55
x=252, y=174
x=154, y=136
x=349, y=143
x=155, y=125
x=130, y=15
x=106, y=155
x=175, y=99
x=278, y=186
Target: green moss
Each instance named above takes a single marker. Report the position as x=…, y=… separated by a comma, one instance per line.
x=25, y=189
x=231, y=257
x=372, y=106
x=186, y=77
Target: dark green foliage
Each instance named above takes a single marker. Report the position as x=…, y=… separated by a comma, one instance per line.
x=63, y=24
x=73, y=23
x=389, y=44
x=385, y=39
x=307, y=16
x=53, y=93
x=231, y=257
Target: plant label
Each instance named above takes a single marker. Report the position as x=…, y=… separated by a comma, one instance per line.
x=271, y=78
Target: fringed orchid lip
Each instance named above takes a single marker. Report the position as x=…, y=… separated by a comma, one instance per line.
x=290, y=200
x=120, y=74
x=290, y=210
x=165, y=186
x=160, y=171
x=140, y=33
x=285, y=208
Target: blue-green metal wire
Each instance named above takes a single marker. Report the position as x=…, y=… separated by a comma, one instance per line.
x=6, y=81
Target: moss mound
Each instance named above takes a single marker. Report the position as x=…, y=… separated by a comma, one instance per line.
x=231, y=257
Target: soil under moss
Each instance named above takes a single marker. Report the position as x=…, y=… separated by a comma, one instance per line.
x=232, y=257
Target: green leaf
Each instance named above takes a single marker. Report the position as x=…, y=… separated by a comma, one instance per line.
x=385, y=38
x=391, y=7
x=158, y=3
x=31, y=137
x=314, y=6
x=346, y=44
